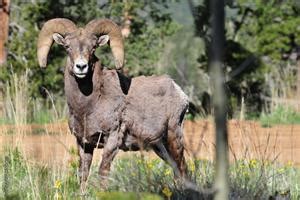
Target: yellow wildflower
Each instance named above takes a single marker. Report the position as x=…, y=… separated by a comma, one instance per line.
x=57, y=184
x=246, y=174
x=167, y=172
x=241, y=166
x=253, y=163
x=281, y=170
x=192, y=166
x=289, y=164
x=150, y=165
x=167, y=192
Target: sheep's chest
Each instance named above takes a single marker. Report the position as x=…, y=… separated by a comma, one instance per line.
x=94, y=127
x=97, y=114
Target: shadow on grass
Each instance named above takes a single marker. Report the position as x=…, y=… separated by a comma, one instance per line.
x=191, y=195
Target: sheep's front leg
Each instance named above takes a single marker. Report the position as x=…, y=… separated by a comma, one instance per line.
x=110, y=150
x=85, y=159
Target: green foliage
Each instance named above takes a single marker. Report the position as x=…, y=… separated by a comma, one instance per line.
x=141, y=175
x=138, y=177
x=266, y=33
x=275, y=26
x=261, y=37
x=280, y=115
x=43, y=111
x=253, y=179
x=150, y=24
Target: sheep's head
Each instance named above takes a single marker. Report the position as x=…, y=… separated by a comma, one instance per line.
x=81, y=43
x=80, y=47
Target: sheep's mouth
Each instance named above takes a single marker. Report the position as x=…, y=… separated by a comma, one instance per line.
x=80, y=75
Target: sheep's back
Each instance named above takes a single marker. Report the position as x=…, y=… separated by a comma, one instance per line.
x=151, y=102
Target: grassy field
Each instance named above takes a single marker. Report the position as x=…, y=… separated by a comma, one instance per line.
x=140, y=177
x=137, y=176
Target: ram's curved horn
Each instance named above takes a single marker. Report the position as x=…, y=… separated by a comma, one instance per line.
x=107, y=27
x=45, y=40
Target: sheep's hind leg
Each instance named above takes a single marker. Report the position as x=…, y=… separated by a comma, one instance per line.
x=172, y=153
x=85, y=159
x=175, y=148
x=162, y=152
x=110, y=150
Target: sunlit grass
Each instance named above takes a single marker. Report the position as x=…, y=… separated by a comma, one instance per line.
x=280, y=115
x=139, y=175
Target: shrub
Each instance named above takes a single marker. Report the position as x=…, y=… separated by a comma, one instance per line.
x=280, y=115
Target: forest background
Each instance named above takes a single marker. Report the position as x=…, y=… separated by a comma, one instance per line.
x=262, y=66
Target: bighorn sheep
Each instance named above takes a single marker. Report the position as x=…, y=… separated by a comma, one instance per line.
x=108, y=110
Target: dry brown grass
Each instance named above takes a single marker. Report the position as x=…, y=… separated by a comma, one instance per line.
x=247, y=140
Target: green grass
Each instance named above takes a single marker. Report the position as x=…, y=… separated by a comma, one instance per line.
x=281, y=115
x=141, y=178
x=20, y=108
x=39, y=111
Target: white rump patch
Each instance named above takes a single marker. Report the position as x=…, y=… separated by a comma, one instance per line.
x=181, y=93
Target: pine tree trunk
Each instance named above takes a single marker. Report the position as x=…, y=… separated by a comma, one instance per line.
x=298, y=78
x=219, y=99
x=4, y=24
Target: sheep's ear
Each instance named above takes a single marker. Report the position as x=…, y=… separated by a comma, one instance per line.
x=103, y=39
x=59, y=39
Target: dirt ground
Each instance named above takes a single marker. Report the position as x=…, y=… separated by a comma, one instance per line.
x=51, y=144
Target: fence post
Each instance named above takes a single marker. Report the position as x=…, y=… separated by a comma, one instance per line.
x=219, y=98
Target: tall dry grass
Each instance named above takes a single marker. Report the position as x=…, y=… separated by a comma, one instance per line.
x=282, y=87
x=21, y=108
x=16, y=99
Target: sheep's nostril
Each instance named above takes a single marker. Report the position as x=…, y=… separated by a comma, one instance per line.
x=81, y=66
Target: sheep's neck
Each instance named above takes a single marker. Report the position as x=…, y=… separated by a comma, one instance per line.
x=83, y=93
